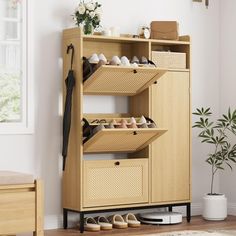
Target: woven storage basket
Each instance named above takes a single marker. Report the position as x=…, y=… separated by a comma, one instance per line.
x=171, y=60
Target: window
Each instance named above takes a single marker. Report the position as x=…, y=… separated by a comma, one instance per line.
x=15, y=77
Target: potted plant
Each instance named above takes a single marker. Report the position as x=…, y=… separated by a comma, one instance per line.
x=88, y=16
x=218, y=134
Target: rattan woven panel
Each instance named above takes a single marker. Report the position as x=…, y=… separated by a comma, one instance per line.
x=110, y=184
x=119, y=80
x=119, y=140
x=117, y=180
x=170, y=60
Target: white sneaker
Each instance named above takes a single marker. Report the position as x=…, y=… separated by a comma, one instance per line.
x=125, y=61
x=135, y=60
x=144, y=60
x=116, y=60
x=134, y=64
x=94, y=58
x=142, y=120
x=102, y=57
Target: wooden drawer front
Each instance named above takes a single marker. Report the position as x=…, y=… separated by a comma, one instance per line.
x=106, y=183
x=171, y=157
x=122, y=140
x=17, y=212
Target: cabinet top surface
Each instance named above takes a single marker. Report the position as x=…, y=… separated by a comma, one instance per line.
x=76, y=32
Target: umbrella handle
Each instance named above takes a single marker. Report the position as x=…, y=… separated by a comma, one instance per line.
x=71, y=47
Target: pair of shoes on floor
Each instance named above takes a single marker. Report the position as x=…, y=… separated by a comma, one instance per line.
x=114, y=221
x=97, y=224
x=125, y=221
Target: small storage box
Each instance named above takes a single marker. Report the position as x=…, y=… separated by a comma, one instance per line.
x=170, y=60
x=167, y=30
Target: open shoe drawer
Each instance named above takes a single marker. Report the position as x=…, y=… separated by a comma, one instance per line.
x=121, y=140
x=112, y=182
x=121, y=80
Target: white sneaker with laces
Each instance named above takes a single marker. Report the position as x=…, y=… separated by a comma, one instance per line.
x=125, y=61
x=102, y=57
x=94, y=58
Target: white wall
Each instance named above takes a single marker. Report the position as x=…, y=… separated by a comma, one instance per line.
x=40, y=153
x=227, y=85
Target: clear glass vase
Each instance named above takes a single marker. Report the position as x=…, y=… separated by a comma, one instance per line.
x=88, y=28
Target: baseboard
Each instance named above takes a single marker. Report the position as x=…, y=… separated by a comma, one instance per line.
x=232, y=208
x=52, y=222
x=196, y=209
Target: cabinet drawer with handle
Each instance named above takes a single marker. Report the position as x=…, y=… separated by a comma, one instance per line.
x=111, y=182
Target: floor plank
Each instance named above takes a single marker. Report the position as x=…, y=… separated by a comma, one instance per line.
x=197, y=223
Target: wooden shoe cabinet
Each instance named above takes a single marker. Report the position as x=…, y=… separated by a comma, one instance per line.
x=157, y=169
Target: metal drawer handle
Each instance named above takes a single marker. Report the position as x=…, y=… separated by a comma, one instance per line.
x=135, y=71
x=117, y=163
x=135, y=133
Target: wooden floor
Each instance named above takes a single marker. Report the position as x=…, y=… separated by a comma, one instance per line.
x=197, y=223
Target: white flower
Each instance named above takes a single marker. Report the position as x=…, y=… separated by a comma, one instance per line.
x=92, y=14
x=98, y=16
x=81, y=9
x=90, y=6
x=98, y=11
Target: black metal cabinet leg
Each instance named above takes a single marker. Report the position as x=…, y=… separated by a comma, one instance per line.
x=65, y=218
x=81, y=227
x=170, y=208
x=188, y=208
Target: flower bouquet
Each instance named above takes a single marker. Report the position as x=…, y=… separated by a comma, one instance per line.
x=88, y=15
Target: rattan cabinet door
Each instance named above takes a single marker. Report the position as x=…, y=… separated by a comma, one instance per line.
x=121, y=80
x=112, y=182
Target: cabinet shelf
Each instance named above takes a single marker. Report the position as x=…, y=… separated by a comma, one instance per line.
x=184, y=40
x=120, y=80
x=121, y=140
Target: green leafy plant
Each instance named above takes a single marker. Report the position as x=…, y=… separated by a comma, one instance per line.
x=218, y=133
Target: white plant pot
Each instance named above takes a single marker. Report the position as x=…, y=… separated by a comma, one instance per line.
x=214, y=207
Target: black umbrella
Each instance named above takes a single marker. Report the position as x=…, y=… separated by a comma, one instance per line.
x=70, y=83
